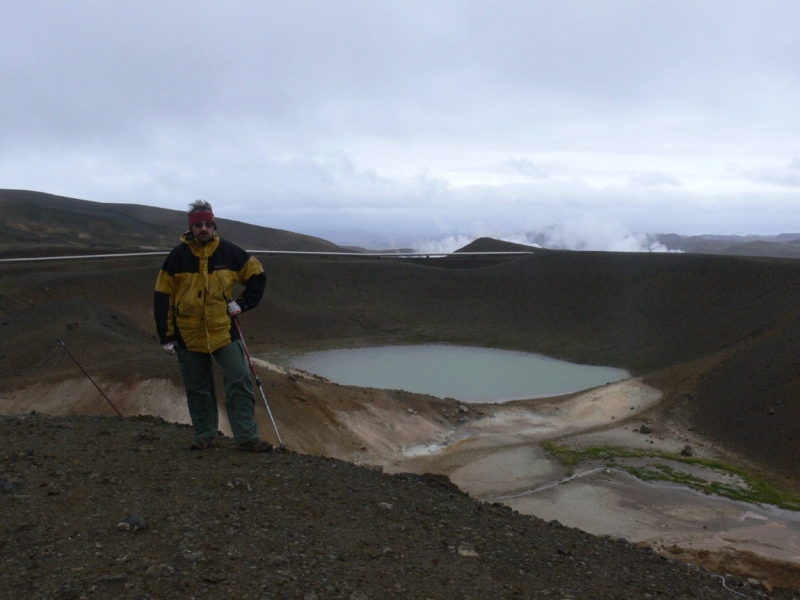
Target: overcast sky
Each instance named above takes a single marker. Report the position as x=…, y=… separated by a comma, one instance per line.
x=430, y=118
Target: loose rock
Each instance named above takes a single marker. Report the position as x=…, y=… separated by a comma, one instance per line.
x=133, y=522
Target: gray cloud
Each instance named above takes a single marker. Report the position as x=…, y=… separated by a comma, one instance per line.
x=783, y=175
x=526, y=167
x=404, y=115
x=654, y=179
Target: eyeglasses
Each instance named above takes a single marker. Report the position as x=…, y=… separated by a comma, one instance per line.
x=206, y=224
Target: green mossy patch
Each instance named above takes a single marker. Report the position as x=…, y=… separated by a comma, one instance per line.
x=751, y=488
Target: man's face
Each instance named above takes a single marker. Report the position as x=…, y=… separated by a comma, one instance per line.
x=203, y=231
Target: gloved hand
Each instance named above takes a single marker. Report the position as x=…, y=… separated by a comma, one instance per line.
x=234, y=309
x=169, y=347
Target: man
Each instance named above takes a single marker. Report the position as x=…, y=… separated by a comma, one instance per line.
x=194, y=312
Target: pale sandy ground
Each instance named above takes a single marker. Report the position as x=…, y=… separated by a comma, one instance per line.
x=497, y=458
x=611, y=502
x=80, y=396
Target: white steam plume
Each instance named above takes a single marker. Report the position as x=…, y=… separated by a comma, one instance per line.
x=580, y=234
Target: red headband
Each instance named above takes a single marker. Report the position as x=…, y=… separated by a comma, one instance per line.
x=201, y=216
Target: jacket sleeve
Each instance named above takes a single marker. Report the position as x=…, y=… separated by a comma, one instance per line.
x=164, y=305
x=255, y=282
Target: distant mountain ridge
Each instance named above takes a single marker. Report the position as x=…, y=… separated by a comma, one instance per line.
x=38, y=223
x=783, y=245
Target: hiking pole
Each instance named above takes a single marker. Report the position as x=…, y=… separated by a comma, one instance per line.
x=63, y=345
x=258, y=382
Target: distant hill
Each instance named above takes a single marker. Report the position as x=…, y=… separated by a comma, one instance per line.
x=784, y=245
x=487, y=244
x=38, y=224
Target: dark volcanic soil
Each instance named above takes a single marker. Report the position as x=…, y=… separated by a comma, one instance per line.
x=719, y=335
x=226, y=524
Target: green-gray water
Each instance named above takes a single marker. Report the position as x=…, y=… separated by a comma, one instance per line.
x=468, y=374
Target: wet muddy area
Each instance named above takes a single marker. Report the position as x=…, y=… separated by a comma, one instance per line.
x=649, y=499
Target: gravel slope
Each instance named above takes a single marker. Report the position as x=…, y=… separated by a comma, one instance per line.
x=225, y=524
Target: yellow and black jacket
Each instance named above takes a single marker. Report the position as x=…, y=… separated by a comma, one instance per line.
x=194, y=287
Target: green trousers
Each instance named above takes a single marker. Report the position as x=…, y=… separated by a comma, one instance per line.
x=198, y=380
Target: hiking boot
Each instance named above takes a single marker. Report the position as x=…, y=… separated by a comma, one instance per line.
x=202, y=444
x=255, y=446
